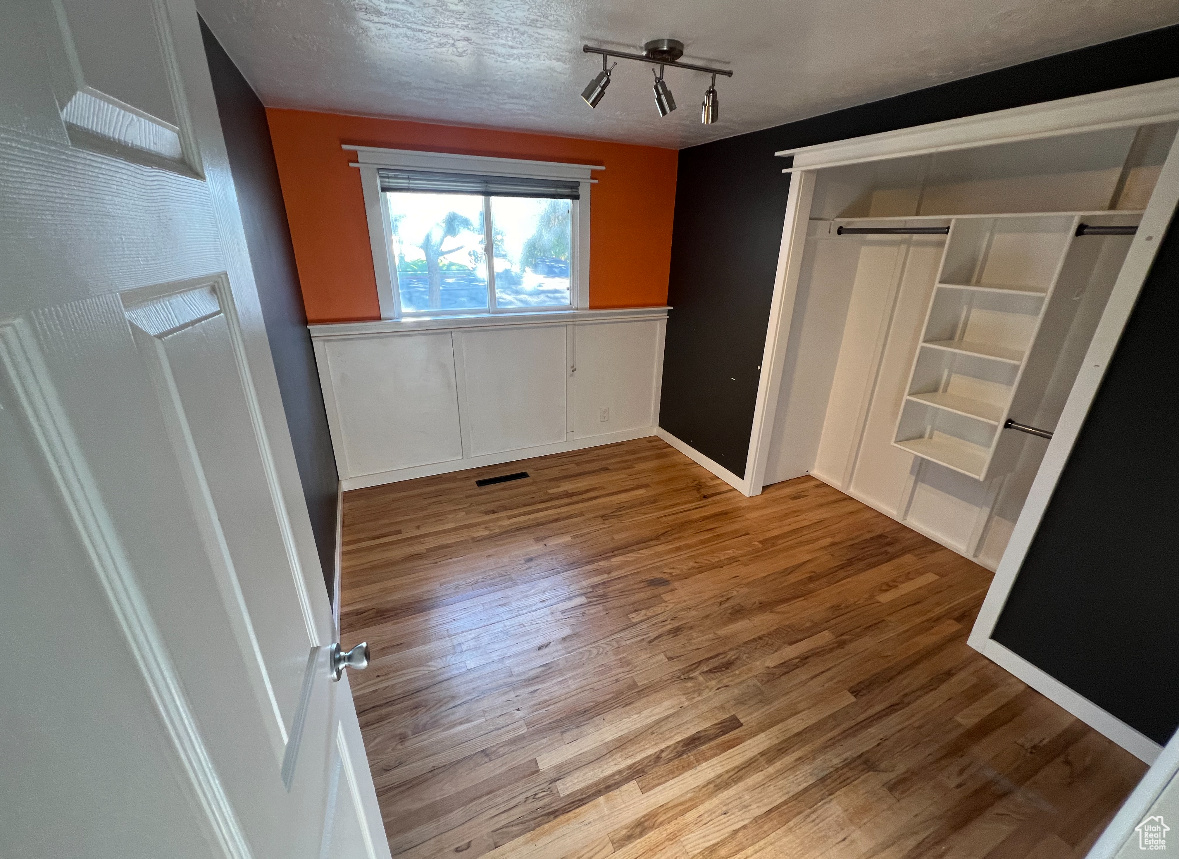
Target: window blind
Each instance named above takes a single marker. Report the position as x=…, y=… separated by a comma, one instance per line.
x=467, y=183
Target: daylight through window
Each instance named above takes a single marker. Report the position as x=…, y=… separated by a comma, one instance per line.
x=462, y=243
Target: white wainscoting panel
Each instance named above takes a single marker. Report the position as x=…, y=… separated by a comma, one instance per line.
x=414, y=398
x=615, y=380
x=392, y=401
x=512, y=387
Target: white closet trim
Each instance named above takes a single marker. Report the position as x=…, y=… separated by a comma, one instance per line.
x=1143, y=104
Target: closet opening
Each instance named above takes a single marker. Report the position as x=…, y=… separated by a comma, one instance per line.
x=943, y=303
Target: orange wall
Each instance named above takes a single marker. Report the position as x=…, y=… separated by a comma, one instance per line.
x=630, y=212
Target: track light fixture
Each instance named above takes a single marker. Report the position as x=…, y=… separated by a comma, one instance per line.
x=663, y=98
x=657, y=52
x=710, y=110
x=593, y=93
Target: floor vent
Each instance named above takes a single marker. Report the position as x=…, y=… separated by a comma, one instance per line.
x=503, y=478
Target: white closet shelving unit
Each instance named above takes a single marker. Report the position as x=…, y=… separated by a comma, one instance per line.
x=997, y=278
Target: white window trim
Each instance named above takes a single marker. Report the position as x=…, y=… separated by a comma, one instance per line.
x=370, y=159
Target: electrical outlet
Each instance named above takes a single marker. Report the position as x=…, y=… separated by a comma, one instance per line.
x=604, y=415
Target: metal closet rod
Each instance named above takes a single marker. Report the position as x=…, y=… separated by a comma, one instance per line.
x=892, y=231
x=1091, y=230
x=1030, y=430
x=642, y=58
x=1082, y=230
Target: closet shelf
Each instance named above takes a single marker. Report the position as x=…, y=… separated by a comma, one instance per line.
x=955, y=453
x=1002, y=289
x=977, y=350
x=959, y=405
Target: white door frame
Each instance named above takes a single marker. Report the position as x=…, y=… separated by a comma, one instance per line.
x=1155, y=102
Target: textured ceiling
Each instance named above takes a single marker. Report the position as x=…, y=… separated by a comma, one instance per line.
x=518, y=63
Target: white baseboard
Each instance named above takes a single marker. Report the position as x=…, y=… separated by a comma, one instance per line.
x=1095, y=717
x=738, y=483
x=399, y=474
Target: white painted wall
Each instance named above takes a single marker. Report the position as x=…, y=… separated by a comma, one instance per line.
x=512, y=389
x=406, y=400
x=392, y=387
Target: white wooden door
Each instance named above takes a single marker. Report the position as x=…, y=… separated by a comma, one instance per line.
x=167, y=690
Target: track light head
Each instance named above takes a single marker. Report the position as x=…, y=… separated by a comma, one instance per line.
x=664, y=101
x=593, y=93
x=710, y=109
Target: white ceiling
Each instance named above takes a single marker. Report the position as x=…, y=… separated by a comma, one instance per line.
x=518, y=63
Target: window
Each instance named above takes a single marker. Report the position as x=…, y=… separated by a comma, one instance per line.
x=467, y=240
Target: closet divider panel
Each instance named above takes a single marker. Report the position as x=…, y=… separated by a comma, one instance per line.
x=1143, y=164
x=826, y=278
x=882, y=472
x=879, y=267
x=1071, y=316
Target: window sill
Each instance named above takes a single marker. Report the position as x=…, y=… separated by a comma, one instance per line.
x=487, y=320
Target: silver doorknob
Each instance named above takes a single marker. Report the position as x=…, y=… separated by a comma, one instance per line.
x=356, y=658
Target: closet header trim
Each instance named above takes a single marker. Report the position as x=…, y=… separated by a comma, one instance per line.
x=1145, y=104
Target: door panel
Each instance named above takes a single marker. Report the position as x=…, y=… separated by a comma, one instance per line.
x=192, y=353
x=129, y=102
x=349, y=830
x=34, y=356
x=52, y=557
x=154, y=545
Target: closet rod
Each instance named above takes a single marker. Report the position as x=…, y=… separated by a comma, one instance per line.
x=1036, y=431
x=1091, y=230
x=892, y=231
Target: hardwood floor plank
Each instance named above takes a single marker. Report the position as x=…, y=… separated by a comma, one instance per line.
x=593, y=778
x=622, y=657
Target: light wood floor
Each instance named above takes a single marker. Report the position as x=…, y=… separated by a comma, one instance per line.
x=621, y=656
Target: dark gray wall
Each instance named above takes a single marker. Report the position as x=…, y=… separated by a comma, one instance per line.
x=255, y=175
x=731, y=200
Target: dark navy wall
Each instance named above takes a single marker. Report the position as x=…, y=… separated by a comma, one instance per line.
x=731, y=199
x=255, y=176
